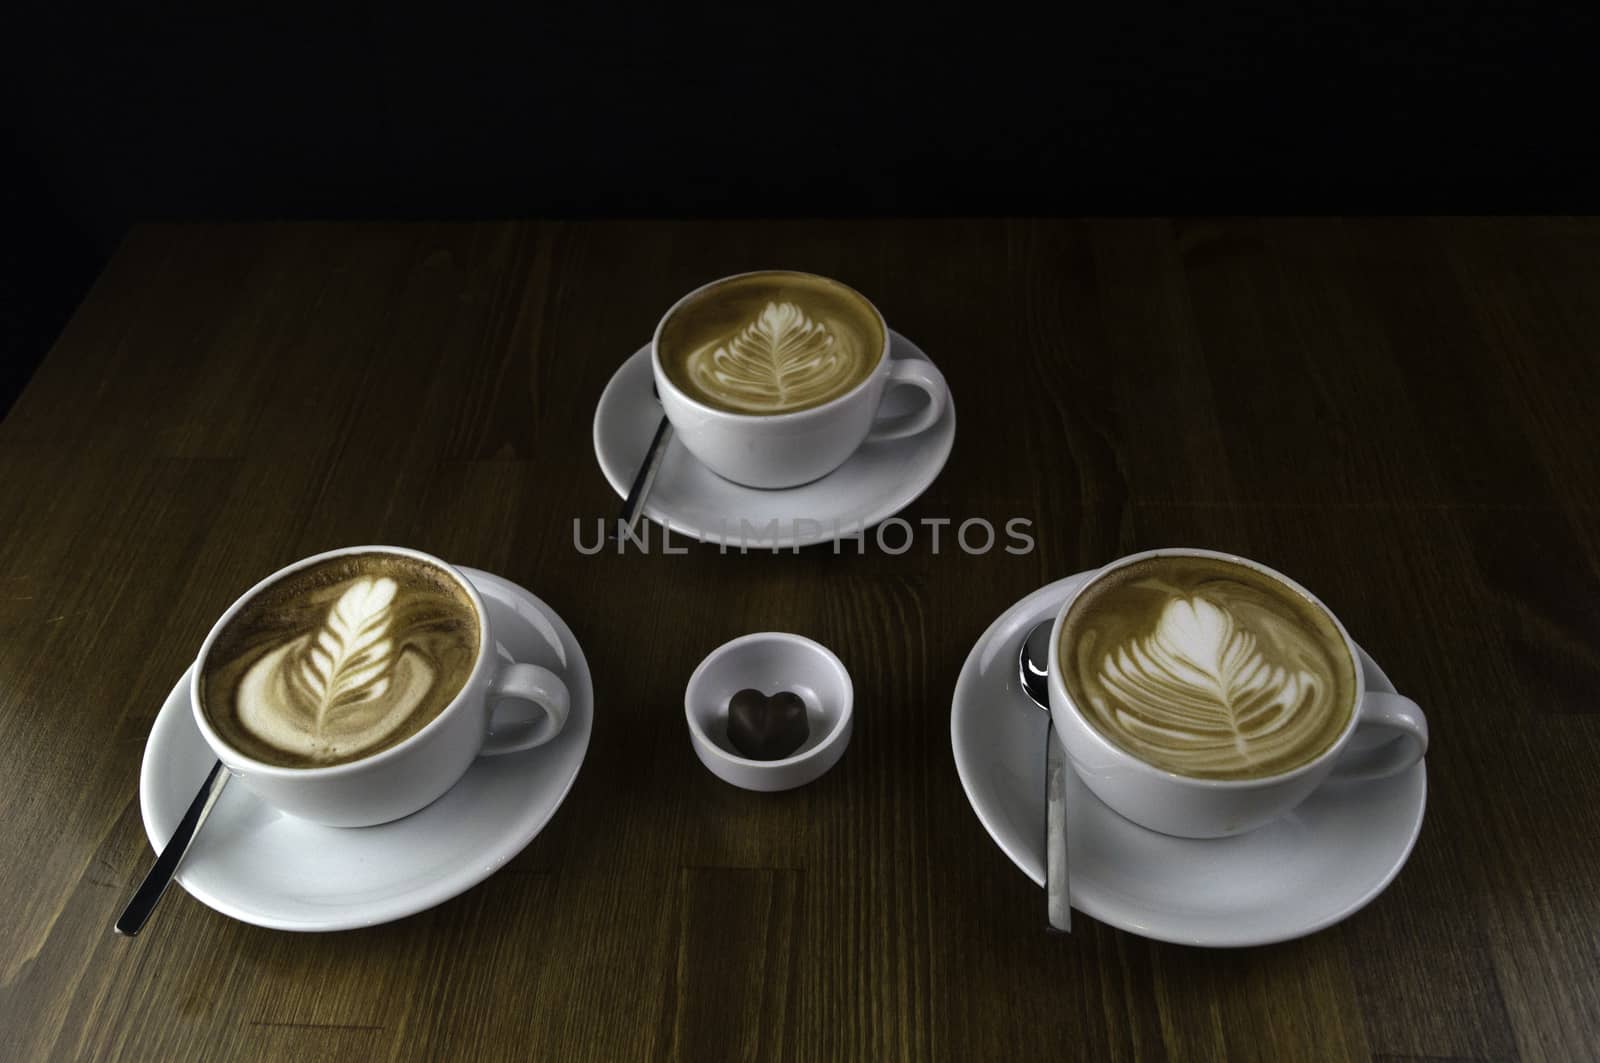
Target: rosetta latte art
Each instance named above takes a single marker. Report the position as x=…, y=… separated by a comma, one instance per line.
x=345, y=687
x=784, y=359
x=1201, y=689
x=340, y=659
x=1199, y=667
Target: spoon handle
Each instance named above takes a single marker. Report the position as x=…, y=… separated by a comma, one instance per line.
x=1057, y=884
x=633, y=505
x=155, y=882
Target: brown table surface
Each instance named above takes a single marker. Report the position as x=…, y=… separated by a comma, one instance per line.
x=1399, y=413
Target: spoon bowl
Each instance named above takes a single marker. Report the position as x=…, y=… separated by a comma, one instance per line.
x=1033, y=664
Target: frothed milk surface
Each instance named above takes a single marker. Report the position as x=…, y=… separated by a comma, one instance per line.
x=340, y=660
x=774, y=342
x=1207, y=668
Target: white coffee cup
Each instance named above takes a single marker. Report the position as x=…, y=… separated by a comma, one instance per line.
x=787, y=449
x=1386, y=734
x=410, y=775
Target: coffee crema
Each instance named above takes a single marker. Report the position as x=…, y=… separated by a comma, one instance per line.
x=772, y=342
x=340, y=660
x=1207, y=668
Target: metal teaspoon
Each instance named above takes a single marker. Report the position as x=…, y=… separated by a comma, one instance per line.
x=633, y=505
x=155, y=883
x=1033, y=663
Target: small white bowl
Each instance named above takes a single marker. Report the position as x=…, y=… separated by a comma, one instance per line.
x=770, y=661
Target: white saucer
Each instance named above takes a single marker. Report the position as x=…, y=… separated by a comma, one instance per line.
x=261, y=866
x=877, y=482
x=1304, y=872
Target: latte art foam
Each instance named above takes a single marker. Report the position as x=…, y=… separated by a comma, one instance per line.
x=769, y=343
x=1207, y=668
x=340, y=660
x=782, y=360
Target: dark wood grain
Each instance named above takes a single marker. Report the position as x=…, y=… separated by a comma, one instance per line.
x=1398, y=412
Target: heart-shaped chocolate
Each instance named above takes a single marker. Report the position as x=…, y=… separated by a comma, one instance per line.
x=764, y=728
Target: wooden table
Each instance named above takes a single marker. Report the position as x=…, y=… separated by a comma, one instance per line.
x=1399, y=413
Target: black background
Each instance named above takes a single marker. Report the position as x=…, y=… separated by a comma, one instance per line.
x=583, y=110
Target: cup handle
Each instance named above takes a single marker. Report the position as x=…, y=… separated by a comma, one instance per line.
x=917, y=373
x=1391, y=735
x=527, y=682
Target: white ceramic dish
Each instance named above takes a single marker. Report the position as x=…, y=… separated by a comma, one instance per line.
x=781, y=450
x=770, y=661
x=259, y=865
x=1303, y=872
x=879, y=479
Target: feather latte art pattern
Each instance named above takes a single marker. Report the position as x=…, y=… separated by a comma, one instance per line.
x=1217, y=677
x=1203, y=686
x=784, y=359
x=345, y=686
x=770, y=342
x=340, y=661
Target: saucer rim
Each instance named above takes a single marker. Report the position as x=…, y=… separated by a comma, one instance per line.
x=877, y=514
x=436, y=892
x=1056, y=591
